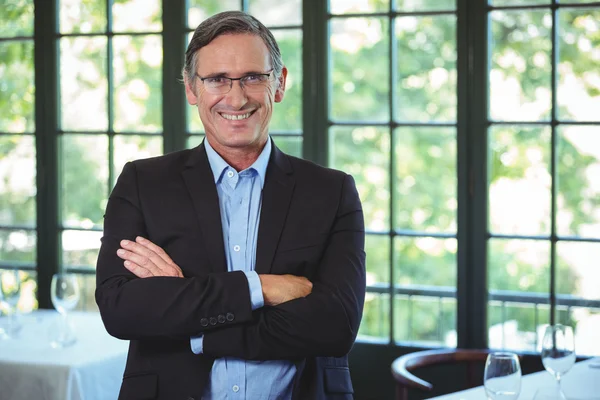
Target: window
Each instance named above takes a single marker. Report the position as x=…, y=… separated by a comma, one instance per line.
x=543, y=172
x=393, y=127
x=471, y=130
x=18, y=238
x=110, y=74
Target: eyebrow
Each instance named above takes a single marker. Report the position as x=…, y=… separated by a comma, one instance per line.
x=224, y=74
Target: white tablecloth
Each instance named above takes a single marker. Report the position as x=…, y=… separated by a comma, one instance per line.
x=582, y=382
x=91, y=369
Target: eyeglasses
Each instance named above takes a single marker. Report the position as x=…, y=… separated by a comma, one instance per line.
x=222, y=84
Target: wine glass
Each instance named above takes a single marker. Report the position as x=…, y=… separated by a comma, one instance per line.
x=502, y=376
x=558, y=351
x=10, y=291
x=65, y=295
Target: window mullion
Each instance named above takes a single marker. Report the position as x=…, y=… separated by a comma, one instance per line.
x=174, y=106
x=472, y=174
x=46, y=135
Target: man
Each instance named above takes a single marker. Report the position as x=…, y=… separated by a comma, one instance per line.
x=236, y=271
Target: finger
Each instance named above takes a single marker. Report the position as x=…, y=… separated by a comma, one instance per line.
x=137, y=270
x=143, y=251
x=139, y=260
x=156, y=249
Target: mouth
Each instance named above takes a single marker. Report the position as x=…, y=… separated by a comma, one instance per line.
x=236, y=117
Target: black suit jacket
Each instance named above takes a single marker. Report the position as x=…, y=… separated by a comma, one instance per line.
x=311, y=224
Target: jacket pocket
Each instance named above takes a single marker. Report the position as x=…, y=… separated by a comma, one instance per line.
x=139, y=386
x=337, y=380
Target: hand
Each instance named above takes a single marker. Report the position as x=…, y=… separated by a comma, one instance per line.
x=278, y=289
x=145, y=259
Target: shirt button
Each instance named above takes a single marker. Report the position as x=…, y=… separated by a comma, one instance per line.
x=230, y=173
x=236, y=248
x=236, y=388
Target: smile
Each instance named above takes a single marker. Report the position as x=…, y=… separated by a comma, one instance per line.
x=236, y=117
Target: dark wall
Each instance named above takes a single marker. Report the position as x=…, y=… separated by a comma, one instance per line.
x=370, y=368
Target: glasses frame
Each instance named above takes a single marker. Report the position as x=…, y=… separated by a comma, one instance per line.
x=240, y=79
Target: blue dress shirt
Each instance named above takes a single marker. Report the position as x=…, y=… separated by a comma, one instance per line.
x=240, y=200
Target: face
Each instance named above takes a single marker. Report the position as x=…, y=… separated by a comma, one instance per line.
x=235, y=121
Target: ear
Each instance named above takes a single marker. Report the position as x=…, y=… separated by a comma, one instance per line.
x=190, y=92
x=280, y=91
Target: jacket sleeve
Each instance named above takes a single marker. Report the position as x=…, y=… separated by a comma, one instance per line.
x=158, y=307
x=324, y=323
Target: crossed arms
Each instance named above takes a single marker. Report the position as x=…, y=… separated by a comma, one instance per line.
x=151, y=298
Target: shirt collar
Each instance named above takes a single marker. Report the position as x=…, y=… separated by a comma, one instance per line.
x=218, y=165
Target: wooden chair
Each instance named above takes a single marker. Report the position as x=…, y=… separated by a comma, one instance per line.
x=403, y=366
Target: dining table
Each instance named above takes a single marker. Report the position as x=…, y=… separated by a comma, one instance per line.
x=89, y=369
x=581, y=382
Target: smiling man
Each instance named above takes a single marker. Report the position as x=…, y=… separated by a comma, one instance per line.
x=235, y=270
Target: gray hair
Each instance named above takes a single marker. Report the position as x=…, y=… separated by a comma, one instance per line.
x=229, y=22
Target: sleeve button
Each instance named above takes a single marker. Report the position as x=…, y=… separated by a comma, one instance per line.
x=204, y=322
x=230, y=317
x=213, y=321
x=221, y=319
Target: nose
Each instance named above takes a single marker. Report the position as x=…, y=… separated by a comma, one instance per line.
x=236, y=98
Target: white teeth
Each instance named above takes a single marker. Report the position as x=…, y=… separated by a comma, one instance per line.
x=236, y=117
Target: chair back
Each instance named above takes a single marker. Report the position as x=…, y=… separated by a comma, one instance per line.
x=403, y=366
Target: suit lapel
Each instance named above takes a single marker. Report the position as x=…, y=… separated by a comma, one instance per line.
x=277, y=194
x=200, y=182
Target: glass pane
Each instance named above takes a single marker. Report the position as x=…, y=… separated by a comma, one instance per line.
x=426, y=86
x=84, y=179
x=519, y=265
x=129, y=148
x=17, y=181
x=564, y=2
x=499, y=3
x=137, y=67
x=17, y=246
x=137, y=15
x=291, y=145
x=358, y=6
x=287, y=115
x=425, y=5
x=82, y=16
x=87, y=289
x=277, y=13
x=17, y=90
x=425, y=187
x=194, y=140
x=200, y=10
x=364, y=153
x=377, y=248
x=27, y=295
x=578, y=182
x=515, y=326
x=425, y=261
x=578, y=92
x=521, y=65
x=577, y=272
x=83, y=84
x=17, y=18
x=375, y=323
x=80, y=248
x=429, y=320
x=359, y=69
x=520, y=180
x=585, y=324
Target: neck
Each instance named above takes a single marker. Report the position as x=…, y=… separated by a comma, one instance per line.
x=242, y=157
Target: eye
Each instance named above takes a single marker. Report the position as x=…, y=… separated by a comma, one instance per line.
x=254, y=78
x=216, y=80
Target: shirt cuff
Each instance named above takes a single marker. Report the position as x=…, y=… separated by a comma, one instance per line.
x=256, y=294
x=196, y=343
